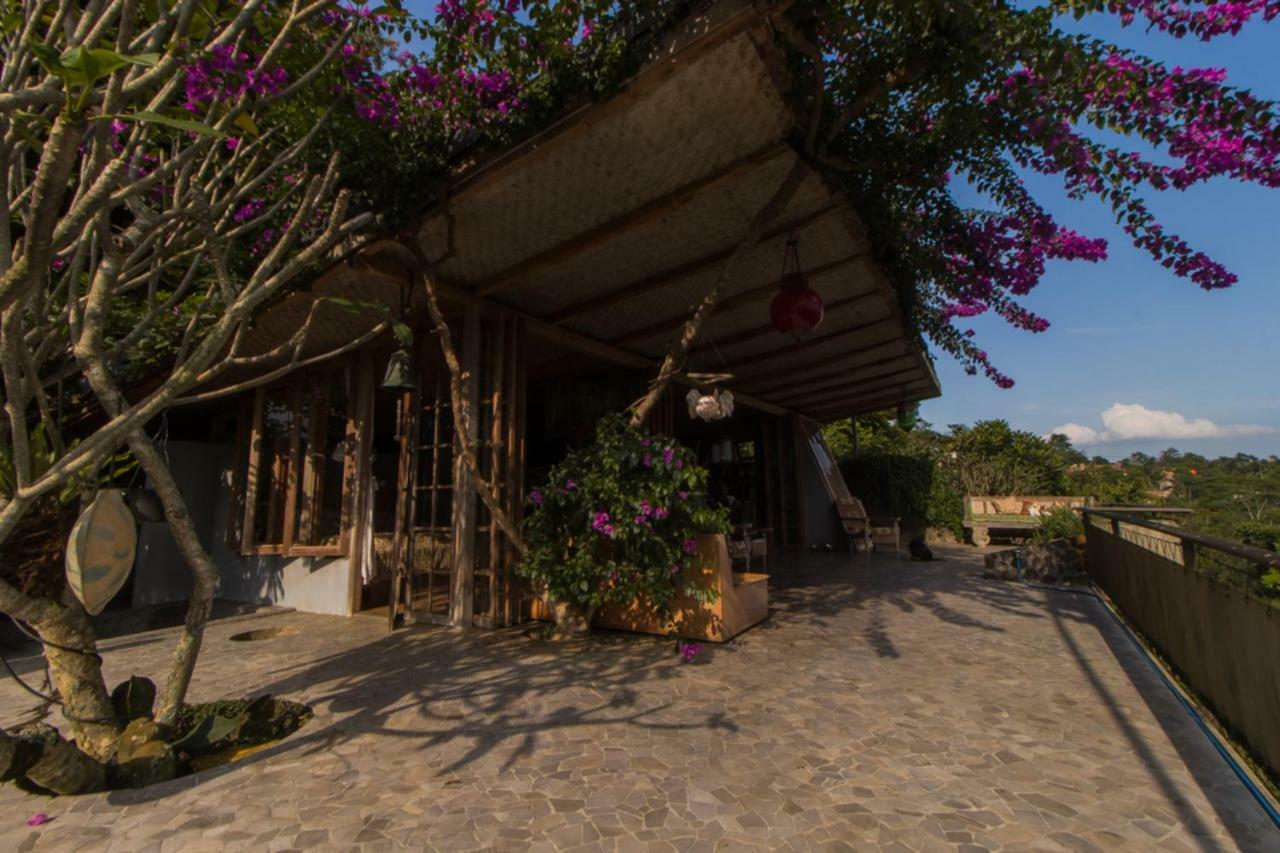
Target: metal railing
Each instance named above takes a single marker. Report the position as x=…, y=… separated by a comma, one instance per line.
x=1202, y=604
x=1233, y=564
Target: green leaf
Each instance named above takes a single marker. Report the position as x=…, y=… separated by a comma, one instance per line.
x=49, y=58
x=85, y=66
x=245, y=122
x=148, y=117
x=211, y=730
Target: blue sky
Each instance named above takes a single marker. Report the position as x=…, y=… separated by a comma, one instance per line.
x=1129, y=332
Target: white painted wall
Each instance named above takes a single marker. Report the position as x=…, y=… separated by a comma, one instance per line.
x=309, y=584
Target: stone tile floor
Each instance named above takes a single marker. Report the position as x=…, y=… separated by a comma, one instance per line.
x=895, y=706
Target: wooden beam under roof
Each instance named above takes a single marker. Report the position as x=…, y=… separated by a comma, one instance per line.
x=766, y=329
x=811, y=343
x=645, y=213
x=667, y=277
x=857, y=404
x=866, y=384
x=822, y=361
x=567, y=337
x=851, y=371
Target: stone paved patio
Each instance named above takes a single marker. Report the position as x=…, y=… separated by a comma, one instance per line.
x=884, y=706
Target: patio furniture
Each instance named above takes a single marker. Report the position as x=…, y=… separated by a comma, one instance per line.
x=872, y=532
x=748, y=543
x=742, y=600
x=1014, y=514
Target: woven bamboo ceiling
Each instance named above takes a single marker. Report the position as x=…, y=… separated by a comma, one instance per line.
x=612, y=224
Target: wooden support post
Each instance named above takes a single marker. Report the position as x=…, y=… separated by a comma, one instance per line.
x=462, y=594
x=360, y=446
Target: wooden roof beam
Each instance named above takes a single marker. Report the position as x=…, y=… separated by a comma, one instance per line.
x=767, y=328
x=851, y=371
x=856, y=405
x=811, y=343
x=571, y=339
x=666, y=277
x=645, y=213
x=790, y=370
x=871, y=383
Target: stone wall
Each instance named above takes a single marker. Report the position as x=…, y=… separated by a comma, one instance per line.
x=1060, y=561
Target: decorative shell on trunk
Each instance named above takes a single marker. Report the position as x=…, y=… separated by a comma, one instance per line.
x=100, y=550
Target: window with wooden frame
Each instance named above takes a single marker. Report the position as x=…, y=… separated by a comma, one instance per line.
x=300, y=466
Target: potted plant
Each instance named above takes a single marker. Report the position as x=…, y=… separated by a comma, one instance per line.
x=618, y=520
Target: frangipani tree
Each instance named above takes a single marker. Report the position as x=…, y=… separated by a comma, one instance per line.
x=168, y=170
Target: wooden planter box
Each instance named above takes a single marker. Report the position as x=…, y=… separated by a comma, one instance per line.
x=743, y=601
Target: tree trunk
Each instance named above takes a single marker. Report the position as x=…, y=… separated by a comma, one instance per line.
x=673, y=363
x=183, y=662
x=461, y=411
x=77, y=677
x=54, y=763
x=187, y=649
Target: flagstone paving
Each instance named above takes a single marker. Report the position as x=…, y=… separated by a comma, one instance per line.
x=882, y=706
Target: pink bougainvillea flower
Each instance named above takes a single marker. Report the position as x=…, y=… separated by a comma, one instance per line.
x=535, y=497
x=689, y=651
x=38, y=819
x=570, y=485
x=690, y=546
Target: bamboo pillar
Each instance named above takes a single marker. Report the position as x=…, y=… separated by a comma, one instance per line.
x=462, y=594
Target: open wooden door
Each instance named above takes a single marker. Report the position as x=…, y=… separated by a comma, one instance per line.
x=455, y=565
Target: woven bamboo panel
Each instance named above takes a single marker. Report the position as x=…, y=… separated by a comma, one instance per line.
x=717, y=109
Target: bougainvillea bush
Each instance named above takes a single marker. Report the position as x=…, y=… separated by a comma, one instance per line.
x=618, y=520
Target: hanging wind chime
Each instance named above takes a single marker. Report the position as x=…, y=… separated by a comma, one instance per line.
x=797, y=309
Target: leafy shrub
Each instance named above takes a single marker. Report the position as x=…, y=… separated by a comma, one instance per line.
x=619, y=519
x=1112, y=486
x=894, y=484
x=1061, y=523
x=946, y=506
x=1259, y=534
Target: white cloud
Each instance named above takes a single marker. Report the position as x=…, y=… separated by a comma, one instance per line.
x=1134, y=422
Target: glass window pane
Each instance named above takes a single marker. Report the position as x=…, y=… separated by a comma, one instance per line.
x=271, y=462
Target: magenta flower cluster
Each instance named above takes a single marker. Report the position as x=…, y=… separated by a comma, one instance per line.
x=600, y=524
x=1204, y=20
x=225, y=73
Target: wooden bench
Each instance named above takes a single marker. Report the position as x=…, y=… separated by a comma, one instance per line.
x=872, y=532
x=1012, y=513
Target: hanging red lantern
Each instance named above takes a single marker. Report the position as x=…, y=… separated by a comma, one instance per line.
x=797, y=308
